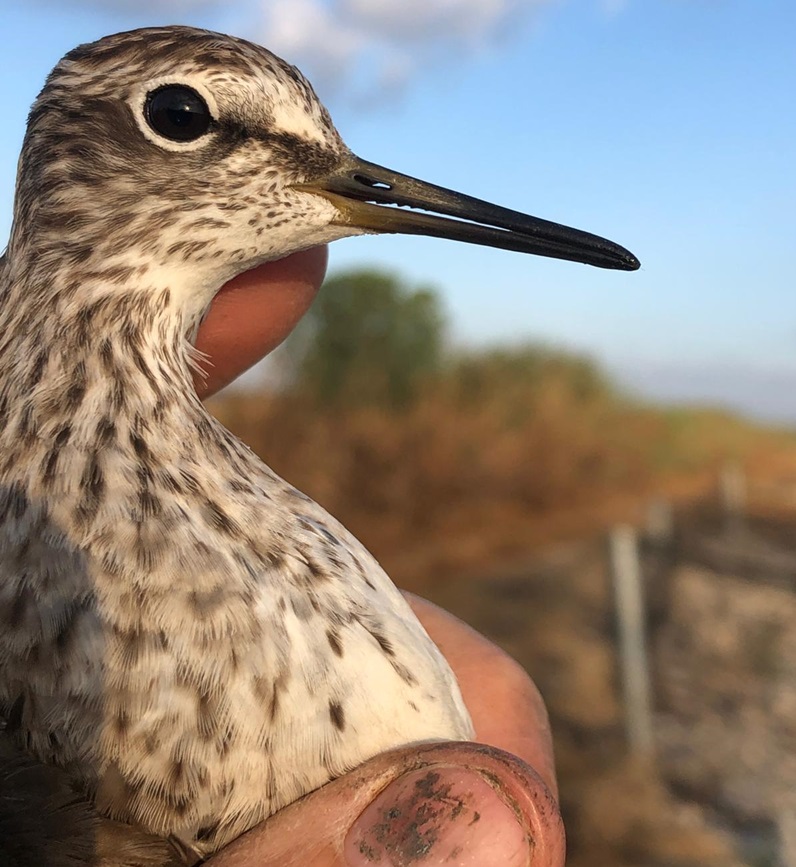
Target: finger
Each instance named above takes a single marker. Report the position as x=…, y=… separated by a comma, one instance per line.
x=440, y=804
x=504, y=703
x=254, y=313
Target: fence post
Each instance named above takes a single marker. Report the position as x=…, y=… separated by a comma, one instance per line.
x=626, y=574
x=732, y=494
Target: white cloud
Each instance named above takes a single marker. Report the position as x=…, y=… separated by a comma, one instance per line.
x=312, y=35
x=415, y=21
x=383, y=43
x=613, y=7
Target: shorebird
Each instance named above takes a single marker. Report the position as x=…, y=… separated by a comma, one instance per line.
x=194, y=641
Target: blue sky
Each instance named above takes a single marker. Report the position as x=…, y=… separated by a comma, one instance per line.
x=666, y=125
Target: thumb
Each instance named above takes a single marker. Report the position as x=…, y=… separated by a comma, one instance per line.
x=451, y=804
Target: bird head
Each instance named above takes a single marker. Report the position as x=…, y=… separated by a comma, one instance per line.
x=194, y=156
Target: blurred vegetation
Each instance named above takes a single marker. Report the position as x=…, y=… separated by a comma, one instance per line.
x=444, y=459
x=369, y=339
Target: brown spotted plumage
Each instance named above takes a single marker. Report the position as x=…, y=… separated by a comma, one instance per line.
x=165, y=601
x=187, y=643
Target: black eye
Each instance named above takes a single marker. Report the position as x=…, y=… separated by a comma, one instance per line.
x=177, y=113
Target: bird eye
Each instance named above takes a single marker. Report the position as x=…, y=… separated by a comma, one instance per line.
x=177, y=113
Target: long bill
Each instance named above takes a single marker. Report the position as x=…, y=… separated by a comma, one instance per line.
x=362, y=192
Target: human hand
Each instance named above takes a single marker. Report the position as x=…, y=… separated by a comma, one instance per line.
x=491, y=803
x=254, y=313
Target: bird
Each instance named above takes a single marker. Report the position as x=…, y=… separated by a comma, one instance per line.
x=186, y=639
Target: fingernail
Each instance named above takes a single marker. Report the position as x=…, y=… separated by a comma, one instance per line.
x=440, y=815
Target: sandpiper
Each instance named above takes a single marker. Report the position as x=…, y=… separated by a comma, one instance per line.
x=196, y=642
